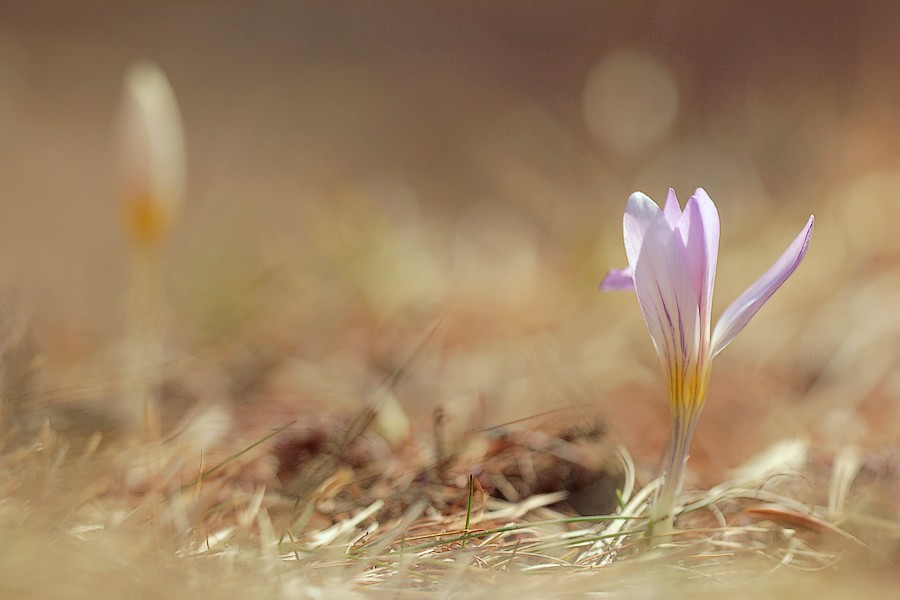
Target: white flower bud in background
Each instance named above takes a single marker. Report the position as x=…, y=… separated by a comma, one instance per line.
x=151, y=140
x=151, y=150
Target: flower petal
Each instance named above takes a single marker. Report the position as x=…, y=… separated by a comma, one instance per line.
x=640, y=213
x=618, y=280
x=666, y=292
x=736, y=316
x=672, y=209
x=151, y=137
x=699, y=229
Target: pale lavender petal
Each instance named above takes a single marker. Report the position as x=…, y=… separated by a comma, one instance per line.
x=665, y=290
x=618, y=280
x=640, y=213
x=672, y=210
x=699, y=229
x=736, y=316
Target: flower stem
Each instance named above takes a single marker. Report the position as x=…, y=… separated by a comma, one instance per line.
x=662, y=516
x=143, y=344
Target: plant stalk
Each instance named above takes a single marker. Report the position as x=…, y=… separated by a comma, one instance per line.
x=662, y=516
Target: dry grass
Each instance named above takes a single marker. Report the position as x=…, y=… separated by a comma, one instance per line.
x=132, y=520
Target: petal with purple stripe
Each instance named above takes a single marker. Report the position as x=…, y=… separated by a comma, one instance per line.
x=736, y=316
x=666, y=293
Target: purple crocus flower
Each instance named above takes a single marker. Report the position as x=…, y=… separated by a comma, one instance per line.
x=672, y=257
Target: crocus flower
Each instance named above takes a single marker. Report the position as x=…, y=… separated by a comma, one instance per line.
x=672, y=257
x=152, y=153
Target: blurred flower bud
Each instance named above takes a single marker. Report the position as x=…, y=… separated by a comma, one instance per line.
x=151, y=147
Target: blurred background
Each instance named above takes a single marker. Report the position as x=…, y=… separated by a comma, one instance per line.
x=359, y=171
